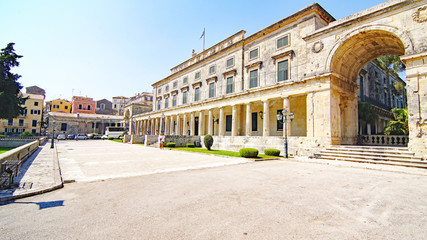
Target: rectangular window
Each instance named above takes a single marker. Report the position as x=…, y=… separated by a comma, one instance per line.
x=32, y=112
x=88, y=107
x=185, y=81
x=34, y=123
x=167, y=88
x=184, y=97
x=21, y=122
x=280, y=122
x=253, y=78
x=211, y=90
x=66, y=107
x=159, y=91
x=212, y=69
x=56, y=106
x=230, y=84
x=34, y=131
x=174, y=100
x=228, y=120
x=166, y=102
x=284, y=41
x=21, y=130
x=282, y=71
x=80, y=106
x=63, y=127
x=230, y=62
x=175, y=84
x=197, y=75
x=253, y=54
x=36, y=103
x=196, y=94
x=159, y=104
x=255, y=121
x=10, y=122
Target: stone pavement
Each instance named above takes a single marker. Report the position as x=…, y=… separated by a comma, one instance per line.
x=39, y=174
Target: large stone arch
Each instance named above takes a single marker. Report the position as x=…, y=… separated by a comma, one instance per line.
x=364, y=44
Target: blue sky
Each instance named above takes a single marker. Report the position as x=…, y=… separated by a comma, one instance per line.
x=106, y=48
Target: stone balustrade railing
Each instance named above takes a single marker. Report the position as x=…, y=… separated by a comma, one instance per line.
x=384, y=140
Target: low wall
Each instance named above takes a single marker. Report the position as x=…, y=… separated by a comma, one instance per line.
x=13, y=142
x=22, y=152
x=297, y=146
x=181, y=141
x=137, y=139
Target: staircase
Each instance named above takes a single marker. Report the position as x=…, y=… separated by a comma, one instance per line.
x=398, y=156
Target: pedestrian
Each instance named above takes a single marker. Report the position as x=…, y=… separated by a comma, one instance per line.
x=162, y=141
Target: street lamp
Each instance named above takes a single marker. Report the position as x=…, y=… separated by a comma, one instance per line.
x=283, y=116
x=53, y=133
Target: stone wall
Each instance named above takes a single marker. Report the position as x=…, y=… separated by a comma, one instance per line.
x=181, y=141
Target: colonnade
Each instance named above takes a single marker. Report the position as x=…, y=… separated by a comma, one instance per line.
x=185, y=123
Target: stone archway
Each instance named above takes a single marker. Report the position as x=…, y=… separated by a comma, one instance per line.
x=348, y=57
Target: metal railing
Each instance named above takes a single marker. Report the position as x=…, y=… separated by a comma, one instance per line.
x=384, y=140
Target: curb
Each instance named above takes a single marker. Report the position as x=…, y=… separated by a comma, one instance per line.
x=58, y=183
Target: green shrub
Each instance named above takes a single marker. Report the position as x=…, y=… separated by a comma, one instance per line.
x=170, y=144
x=190, y=145
x=2, y=136
x=110, y=138
x=26, y=134
x=208, y=140
x=272, y=152
x=248, y=152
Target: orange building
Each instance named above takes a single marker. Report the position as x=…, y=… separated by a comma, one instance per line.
x=82, y=105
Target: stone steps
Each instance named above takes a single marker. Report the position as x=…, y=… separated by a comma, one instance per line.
x=397, y=156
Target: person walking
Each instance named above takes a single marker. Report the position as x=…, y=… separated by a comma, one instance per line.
x=162, y=141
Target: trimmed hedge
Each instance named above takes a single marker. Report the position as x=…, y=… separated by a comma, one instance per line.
x=272, y=152
x=208, y=141
x=110, y=138
x=25, y=134
x=190, y=145
x=170, y=144
x=248, y=152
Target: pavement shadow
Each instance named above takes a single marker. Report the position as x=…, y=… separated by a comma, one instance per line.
x=42, y=205
x=26, y=165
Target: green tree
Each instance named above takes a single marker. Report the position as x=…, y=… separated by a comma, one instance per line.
x=366, y=113
x=10, y=99
x=391, y=63
x=400, y=124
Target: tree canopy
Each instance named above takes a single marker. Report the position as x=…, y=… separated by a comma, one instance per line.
x=400, y=124
x=366, y=113
x=391, y=63
x=11, y=102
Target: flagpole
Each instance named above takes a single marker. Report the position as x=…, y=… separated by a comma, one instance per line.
x=204, y=36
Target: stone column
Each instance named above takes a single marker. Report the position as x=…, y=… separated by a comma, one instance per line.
x=248, y=119
x=171, y=125
x=201, y=123
x=266, y=120
x=210, y=123
x=161, y=129
x=152, y=126
x=310, y=115
x=287, y=106
x=234, y=121
x=166, y=125
x=221, y=122
x=191, y=123
x=156, y=127
x=184, y=125
x=144, y=127
x=178, y=125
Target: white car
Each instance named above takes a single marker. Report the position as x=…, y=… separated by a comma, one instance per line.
x=60, y=136
x=80, y=137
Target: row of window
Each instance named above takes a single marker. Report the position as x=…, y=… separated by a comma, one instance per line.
x=35, y=112
x=88, y=107
x=282, y=75
x=21, y=122
x=57, y=107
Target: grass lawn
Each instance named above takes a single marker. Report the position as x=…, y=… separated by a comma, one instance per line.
x=219, y=152
x=117, y=140
x=2, y=150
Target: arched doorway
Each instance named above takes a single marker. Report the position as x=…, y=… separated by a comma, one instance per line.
x=349, y=56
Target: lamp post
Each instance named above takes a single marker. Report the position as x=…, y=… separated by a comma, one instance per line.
x=53, y=133
x=163, y=124
x=283, y=116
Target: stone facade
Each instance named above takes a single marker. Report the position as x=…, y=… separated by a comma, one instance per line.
x=308, y=64
x=82, y=105
x=104, y=106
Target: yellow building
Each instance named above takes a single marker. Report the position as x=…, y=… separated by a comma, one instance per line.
x=29, y=121
x=59, y=105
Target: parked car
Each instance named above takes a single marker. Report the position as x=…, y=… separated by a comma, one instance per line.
x=80, y=137
x=90, y=136
x=70, y=136
x=60, y=136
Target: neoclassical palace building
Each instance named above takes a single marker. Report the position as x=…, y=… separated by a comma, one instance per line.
x=307, y=63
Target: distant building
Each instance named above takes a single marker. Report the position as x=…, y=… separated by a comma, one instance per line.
x=29, y=121
x=104, y=106
x=119, y=103
x=58, y=105
x=82, y=123
x=35, y=90
x=82, y=105
x=377, y=87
